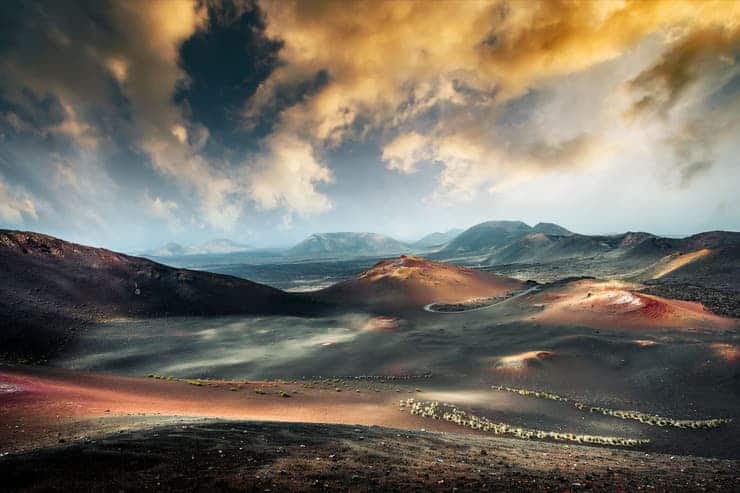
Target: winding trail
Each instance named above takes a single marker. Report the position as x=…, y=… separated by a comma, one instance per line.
x=429, y=307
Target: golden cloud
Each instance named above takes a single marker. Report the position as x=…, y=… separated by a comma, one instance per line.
x=688, y=60
x=378, y=54
x=287, y=176
x=388, y=63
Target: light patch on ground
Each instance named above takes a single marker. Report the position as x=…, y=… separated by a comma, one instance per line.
x=278, y=352
x=521, y=360
x=7, y=388
x=621, y=300
x=380, y=324
x=681, y=260
x=644, y=342
x=461, y=397
x=727, y=352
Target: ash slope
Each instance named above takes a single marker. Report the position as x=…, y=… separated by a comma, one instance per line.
x=410, y=282
x=51, y=286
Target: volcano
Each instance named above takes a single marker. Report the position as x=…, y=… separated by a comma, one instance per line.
x=412, y=282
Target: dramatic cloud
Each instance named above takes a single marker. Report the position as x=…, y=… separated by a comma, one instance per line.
x=690, y=89
x=287, y=176
x=16, y=205
x=165, y=210
x=446, y=65
x=708, y=51
x=237, y=115
x=406, y=151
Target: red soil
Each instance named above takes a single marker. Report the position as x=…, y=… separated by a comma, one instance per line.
x=411, y=282
x=616, y=304
x=38, y=405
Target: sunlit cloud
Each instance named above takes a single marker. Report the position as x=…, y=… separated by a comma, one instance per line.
x=391, y=64
x=459, y=106
x=165, y=210
x=287, y=175
x=16, y=204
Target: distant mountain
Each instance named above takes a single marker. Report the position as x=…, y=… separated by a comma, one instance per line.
x=170, y=249
x=347, y=244
x=487, y=235
x=51, y=286
x=551, y=229
x=541, y=247
x=220, y=245
x=711, y=259
x=437, y=239
x=213, y=247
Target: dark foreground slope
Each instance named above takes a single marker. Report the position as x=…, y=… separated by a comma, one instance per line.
x=248, y=456
x=49, y=286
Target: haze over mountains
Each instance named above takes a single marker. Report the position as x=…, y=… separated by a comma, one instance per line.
x=213, y=247
x=368, y=244
x=437, y=239
x=343, y=244
x=495, y=243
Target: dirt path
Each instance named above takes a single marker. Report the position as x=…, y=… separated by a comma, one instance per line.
x=430, y=307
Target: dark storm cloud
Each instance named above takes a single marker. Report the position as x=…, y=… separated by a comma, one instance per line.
x=225, y=62
x=132, y=112
x=68, y=136
x=140, y=120
x=59, y=106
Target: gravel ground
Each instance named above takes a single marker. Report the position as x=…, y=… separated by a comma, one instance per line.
x=251, y=456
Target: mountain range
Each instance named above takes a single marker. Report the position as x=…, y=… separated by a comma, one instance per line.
x=346, y=244
x=711, y=256
x=213, y=247
x=437, y=240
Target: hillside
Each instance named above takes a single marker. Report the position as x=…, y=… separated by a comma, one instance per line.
x=487, y=235
x=437, y=239
x=412, y=282
x=659, y=256
x=347, y=244
x=551, y=229
x=51, y=286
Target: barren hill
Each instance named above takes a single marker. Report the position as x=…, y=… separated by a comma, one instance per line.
x=410, y=282
x=51, y=286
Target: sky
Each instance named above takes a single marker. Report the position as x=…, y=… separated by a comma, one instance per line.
x=128, y=124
